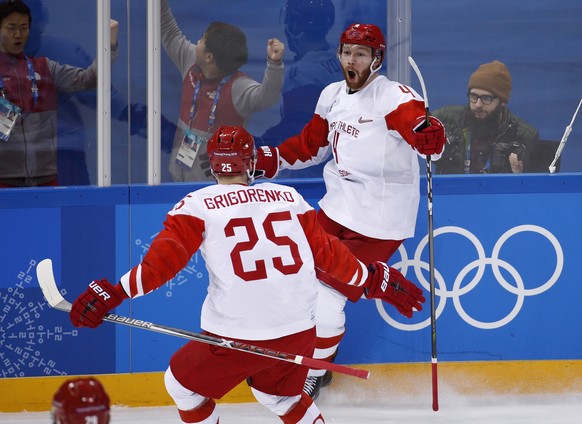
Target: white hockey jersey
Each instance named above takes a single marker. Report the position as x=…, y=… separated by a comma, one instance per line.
x=372, y=182
x=262, y=246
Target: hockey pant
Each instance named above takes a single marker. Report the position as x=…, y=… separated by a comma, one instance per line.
x=329, y=316
x=194, y=408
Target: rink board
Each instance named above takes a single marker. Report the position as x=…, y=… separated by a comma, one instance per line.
x=399, y=380
x=506, y=268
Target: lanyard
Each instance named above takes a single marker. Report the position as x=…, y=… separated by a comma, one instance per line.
x=195, y=96
x=31, y=74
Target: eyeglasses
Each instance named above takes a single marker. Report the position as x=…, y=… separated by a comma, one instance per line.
x=485, y=99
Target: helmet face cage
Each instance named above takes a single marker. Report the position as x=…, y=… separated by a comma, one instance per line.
x=366, y=35
x=231, y=151
x=81, y=401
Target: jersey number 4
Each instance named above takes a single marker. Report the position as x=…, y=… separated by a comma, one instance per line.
x=260, y=271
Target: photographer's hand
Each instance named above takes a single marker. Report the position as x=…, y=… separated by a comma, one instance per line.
x=516, y=164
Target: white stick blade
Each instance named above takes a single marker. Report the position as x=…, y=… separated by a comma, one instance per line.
x=412, y=63
x=420, y=79
x=48, y=286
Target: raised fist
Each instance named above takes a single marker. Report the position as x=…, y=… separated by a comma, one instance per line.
x=275, y=49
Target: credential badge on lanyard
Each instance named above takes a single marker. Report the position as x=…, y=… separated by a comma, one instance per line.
x=192, y=141
x=189, y=148
x=9, y=113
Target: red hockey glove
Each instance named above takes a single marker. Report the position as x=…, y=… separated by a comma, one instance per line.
x=389, y=285
x=267, y=162
x=92, y=305
x=428, y=139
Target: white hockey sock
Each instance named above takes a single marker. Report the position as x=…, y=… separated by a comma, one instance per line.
x=305, y=412
x=206, y=414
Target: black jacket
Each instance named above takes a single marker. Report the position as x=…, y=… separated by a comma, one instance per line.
x=512, y=135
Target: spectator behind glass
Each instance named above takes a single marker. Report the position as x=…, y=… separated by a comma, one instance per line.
x=74, y=134
x=214, y=91
x=29, y=87
x=484, y=136
x=315, y=65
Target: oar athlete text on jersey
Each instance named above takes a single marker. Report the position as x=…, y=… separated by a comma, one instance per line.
x=252, y=195
x=345, y=128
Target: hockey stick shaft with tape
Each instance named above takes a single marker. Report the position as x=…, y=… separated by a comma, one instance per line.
x=435, y=396
x=51, y=293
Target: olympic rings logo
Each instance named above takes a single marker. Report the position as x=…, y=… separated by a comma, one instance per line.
x=480, y=264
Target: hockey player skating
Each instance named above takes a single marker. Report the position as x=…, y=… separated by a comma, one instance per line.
x=262, y=245
x=374, y=129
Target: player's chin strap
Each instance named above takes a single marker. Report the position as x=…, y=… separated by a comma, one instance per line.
x=251, y=172
x=372, y=70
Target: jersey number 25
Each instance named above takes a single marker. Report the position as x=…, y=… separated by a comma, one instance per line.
x=260, y=272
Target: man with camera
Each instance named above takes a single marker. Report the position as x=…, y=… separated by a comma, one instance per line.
x=484, y=136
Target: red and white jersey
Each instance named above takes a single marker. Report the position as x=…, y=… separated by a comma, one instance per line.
x=262, y=246
x=372, y=182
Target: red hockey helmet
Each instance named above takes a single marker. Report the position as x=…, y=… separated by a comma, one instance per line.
x=79, y=401
x=366, y=35
x=231, y=151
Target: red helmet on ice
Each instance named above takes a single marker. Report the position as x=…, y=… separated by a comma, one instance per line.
x=231, y=151
x=79, y=401
x=366, y=35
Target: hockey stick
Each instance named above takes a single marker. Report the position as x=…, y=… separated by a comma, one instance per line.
x=435, y=393
x=48, y=286
x=567, y=132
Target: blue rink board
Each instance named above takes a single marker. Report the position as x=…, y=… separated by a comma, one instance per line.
x=505, y=266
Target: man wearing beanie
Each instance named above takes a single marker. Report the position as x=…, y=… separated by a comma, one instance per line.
x=484, y=136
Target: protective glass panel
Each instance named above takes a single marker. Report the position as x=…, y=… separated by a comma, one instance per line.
x=310, y=31
x=537, y=42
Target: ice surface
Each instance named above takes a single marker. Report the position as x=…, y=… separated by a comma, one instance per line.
x=342, y=408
